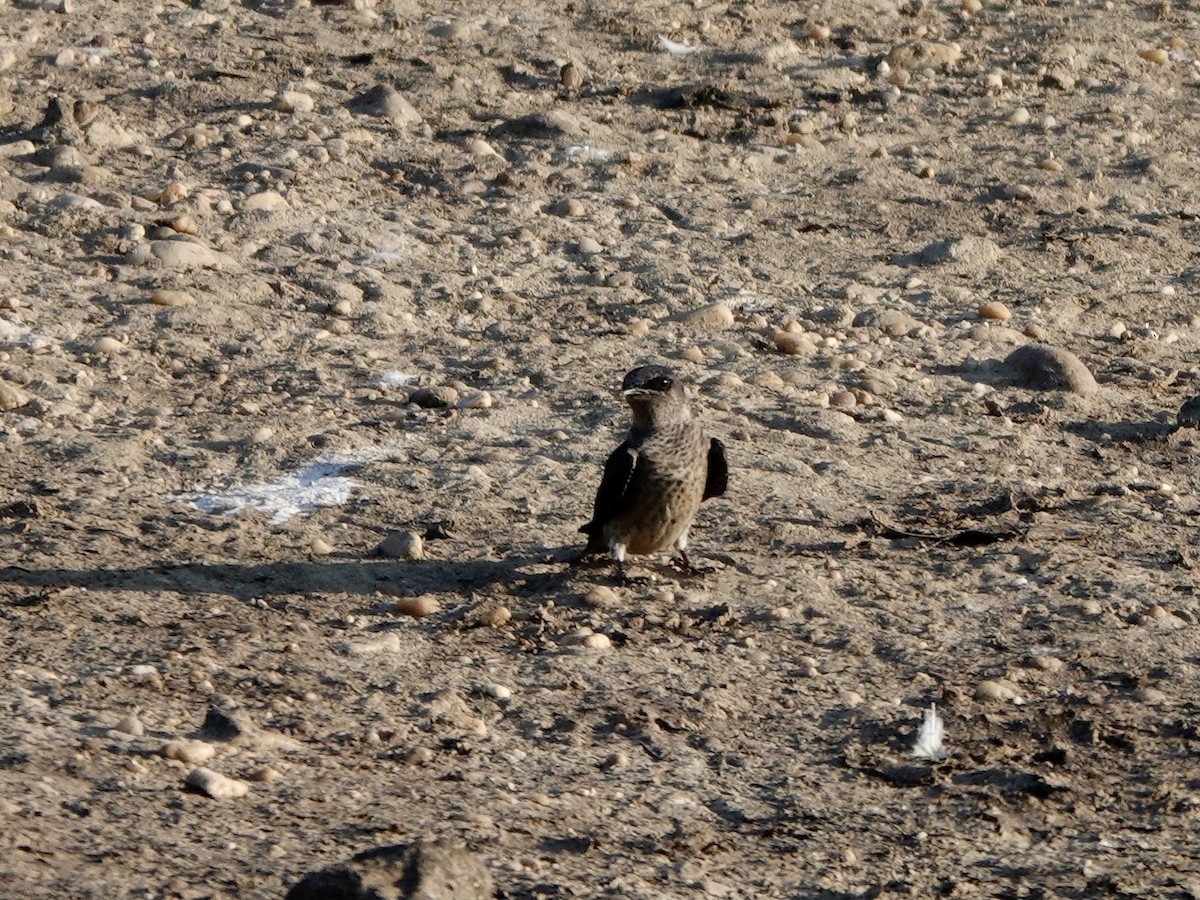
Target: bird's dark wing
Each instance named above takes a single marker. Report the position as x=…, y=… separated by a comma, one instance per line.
x=617, y=473
x=718, y=471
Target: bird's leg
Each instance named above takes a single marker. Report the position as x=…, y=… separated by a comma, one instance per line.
x=685, y=564
x=623, y=577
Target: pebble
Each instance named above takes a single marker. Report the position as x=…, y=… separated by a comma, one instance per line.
x=216, y=785
x=424, y=870
x=294, y=102
x=597, y=641
x=189, y=751
x=11, y=396
x=714, y=315
x=495, y=616
x=588, y=247
x=994, y=309
x=892, y=322
x=1188, y=416
x=794, y=344
x=1000, y=690
x=495, y=691
x=265, y=201
x=919, y=55
x=618, y=759
x=389, y=643
x=1048, y=663
x=475, y=400
x=850, y=699
x=108, y=346
x=320, y=547
x=602, y=596
x=130, y=724
x=843, y=400
x=1157, y=56
x=569, y=208
x=385, y=102
x=180, y=254
x=437, y=397
x=262, y=435
x=417, y=607
x=1045, y=368
x=1019, y=116
x=403, y=545
x=1091, y=608
x=969, y=251
x=570, y=77
x=172, y=193
x=480, y=147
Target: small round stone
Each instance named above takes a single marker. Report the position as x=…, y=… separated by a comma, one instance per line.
x=175, y=299
x=601, y=596
x=320, y=547
x=172, y=193
x=597, y=641
x=1157, y=56
x=496, y=691
x=130, y=724
x=793, y=344
x=843, y=400
x=403, y=545
x=417, y=607
x=495, y=616
x=569, y=208
x=1019, y=116
x=588, y=247
x=294, y=102
x=998, y=690
x=108, y=346
x=714, y=315
x=994, y=309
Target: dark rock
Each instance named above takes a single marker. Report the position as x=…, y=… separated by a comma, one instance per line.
x=1049, y=369
x=421, y=871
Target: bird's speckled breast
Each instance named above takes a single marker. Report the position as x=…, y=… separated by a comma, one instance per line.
x=665, y=493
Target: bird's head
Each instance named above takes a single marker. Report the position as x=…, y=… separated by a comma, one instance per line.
x=655, y=394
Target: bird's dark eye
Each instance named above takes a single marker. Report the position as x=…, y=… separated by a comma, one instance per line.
x=662, y=383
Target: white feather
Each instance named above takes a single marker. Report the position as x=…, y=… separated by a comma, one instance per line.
x=675, y=48
x=929, y=738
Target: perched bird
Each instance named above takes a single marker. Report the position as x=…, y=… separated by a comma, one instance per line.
x=654, y=482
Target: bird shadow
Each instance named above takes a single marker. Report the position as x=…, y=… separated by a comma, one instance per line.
x=247, y=581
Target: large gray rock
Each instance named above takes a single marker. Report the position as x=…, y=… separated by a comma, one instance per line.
x=1049, y=369
x=433, y=870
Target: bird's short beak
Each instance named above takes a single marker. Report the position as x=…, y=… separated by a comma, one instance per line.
x=635, y=392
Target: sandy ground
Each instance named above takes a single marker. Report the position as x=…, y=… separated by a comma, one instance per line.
x=236, y=238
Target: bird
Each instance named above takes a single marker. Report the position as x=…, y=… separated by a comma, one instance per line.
x=655, y=481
